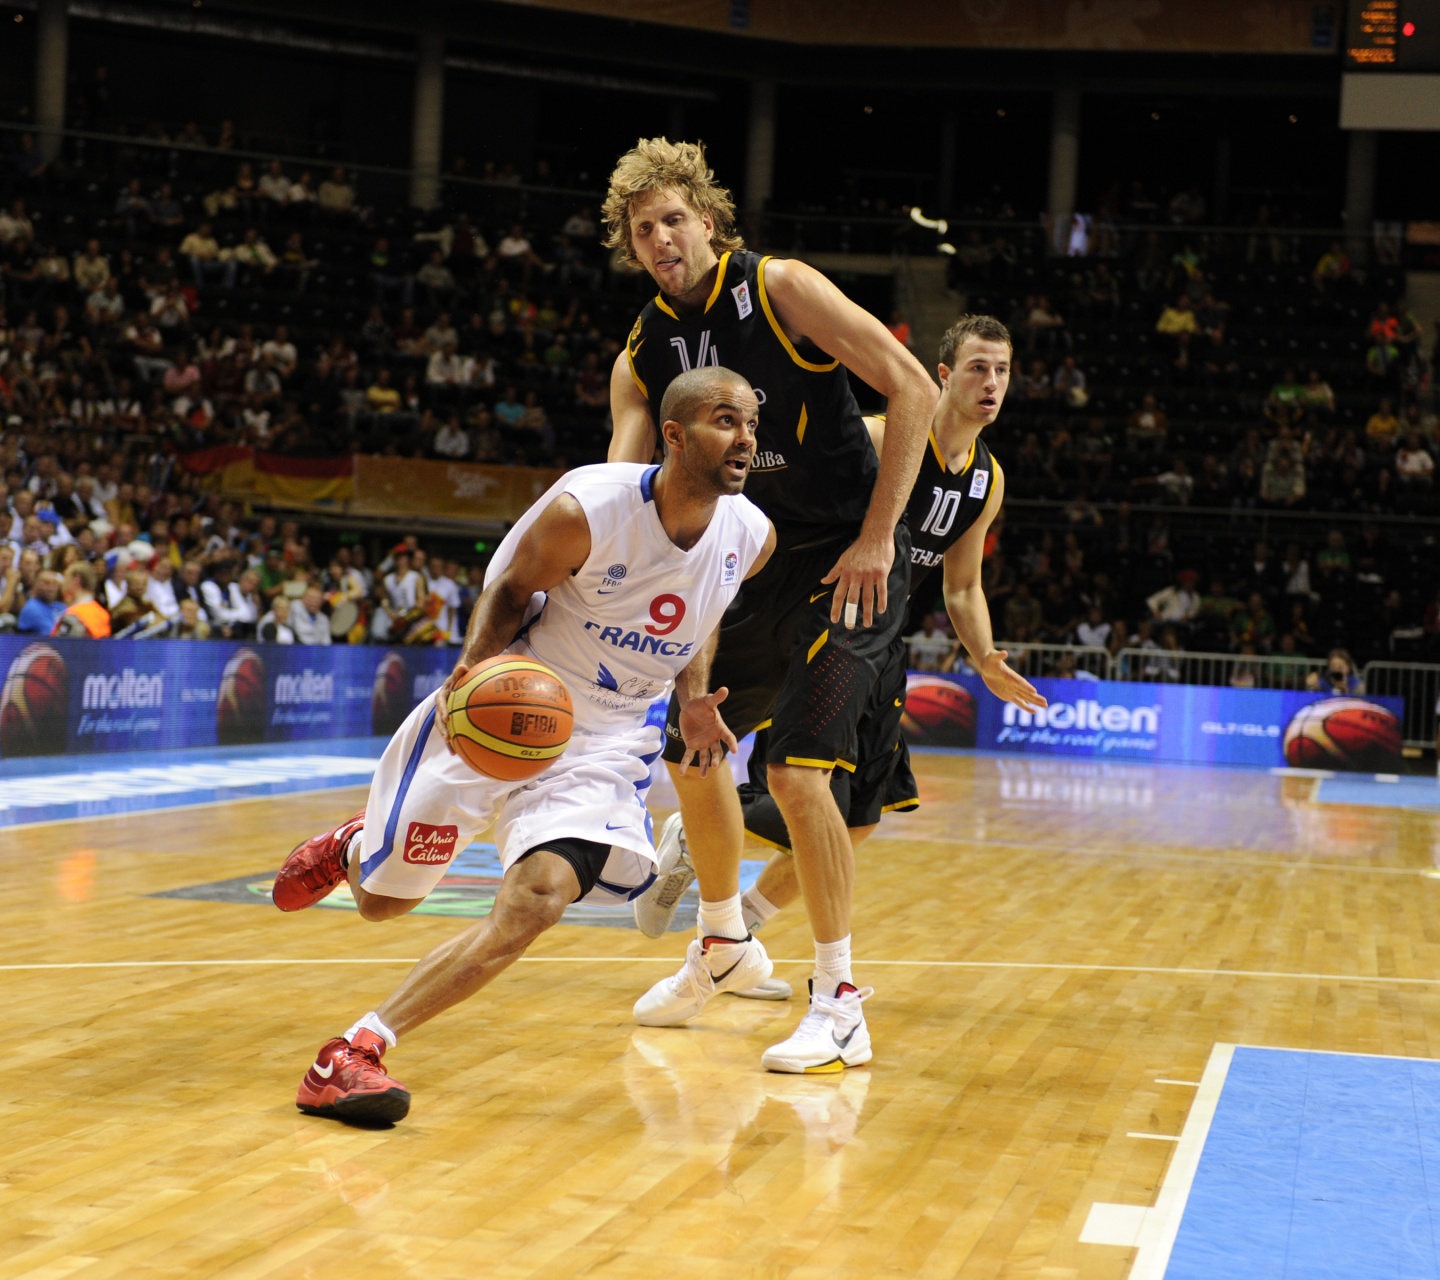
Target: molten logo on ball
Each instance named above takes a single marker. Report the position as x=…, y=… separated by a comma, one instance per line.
x=33, y=703
x=938, y=713
x=1344, y=733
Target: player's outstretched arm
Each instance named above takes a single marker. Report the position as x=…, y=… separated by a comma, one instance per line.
x=970, y=613
x=807, y=305
x=552, y=549
x=633, y=437
x=701, y=726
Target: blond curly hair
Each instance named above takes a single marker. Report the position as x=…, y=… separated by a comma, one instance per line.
x=657, y=164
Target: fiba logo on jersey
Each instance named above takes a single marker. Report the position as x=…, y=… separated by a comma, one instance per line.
x=731, y=568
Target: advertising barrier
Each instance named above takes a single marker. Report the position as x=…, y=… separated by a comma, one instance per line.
x=1189, y=724
x=88, y=696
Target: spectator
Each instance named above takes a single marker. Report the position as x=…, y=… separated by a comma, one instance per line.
x=253, y=257
x=1178, y=320
x=1178, y=603
x=1341, y=678
x=1282, y=482
x=1070, y=386
x=336, y=197
x=387, y=276
x=43, y=609
x=203, y=252
x=929, y=647
x=1317, y=399
x=274, y=186
x=452, y=440
x=517, y=256
x=91, y=269
x=1414, y=465
x=1148, y=426
x=83, y=616
x=1382, y=428
x=189, y=624
x=1332, y=269
x=166, y=213
x=438, y=280
x=1254, y=626
x=274, y=627
x=308, y=619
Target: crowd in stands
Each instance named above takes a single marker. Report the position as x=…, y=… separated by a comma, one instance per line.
x=96, y=553
x=179, y=299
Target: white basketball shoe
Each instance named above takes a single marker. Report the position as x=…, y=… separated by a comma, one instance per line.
x=711, y=966
x=655, y=908
x=831, y=1037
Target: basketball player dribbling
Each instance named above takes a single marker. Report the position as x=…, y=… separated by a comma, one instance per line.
x=808, y=638
x=615, y=579
x=956, y=498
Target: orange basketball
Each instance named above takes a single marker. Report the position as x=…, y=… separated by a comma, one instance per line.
x=510, y=718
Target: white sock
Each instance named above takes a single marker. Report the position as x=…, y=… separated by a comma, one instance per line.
x=352, y=850
x=721, y=919
x=756, y=908
x=371, y=1022
x=832, y=966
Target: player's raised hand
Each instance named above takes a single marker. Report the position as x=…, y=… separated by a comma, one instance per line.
x=705, y=733
x=1007, y=684
x=442, y=704
x=861, y=578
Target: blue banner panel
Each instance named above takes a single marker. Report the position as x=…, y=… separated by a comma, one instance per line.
x=88, y=696
x=1190, y=724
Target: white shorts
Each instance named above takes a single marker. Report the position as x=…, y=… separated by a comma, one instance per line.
x=426, y=805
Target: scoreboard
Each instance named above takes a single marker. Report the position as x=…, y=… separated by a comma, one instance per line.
x=1393, y=35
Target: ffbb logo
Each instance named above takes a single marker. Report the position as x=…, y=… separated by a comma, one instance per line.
x=430, y=846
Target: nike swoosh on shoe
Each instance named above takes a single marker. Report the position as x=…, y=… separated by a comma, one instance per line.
x=323, y=1072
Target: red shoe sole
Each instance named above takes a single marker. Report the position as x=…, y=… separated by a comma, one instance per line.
x=364, y=1110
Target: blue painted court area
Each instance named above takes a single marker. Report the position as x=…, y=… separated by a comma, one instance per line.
x=57, y=788
x=1317, y=1165
x=1368, y=789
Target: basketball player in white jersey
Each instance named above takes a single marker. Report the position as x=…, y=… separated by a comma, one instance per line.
x=616, y=579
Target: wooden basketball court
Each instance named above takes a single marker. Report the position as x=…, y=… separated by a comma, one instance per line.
x=1055, y=949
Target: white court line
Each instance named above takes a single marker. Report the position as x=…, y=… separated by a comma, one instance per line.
x=180, y=808
x=1189, y=1084
x=670, y=960
x=1156, y=1137
x=1235, y=861
x=1161, y=1225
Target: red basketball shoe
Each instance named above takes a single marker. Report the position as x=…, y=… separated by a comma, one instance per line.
x=346, y=1082
x=315, y=867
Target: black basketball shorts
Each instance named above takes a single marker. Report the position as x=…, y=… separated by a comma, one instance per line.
x=878, y=781
x=789, y=669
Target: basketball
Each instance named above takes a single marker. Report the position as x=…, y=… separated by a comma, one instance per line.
x=240, y=700
x=388, y=704
x=510, y=718
x=33, y=703
x=939, y=713
x=1344, y=733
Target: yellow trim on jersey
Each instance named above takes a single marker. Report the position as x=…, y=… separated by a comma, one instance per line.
x=900, y=805
x=665, y=306
x=816, y=647
x=994, y=484
x=969, y=457
x=939, y=457
x=846, y=765
x=635, y=374
x=719, y=281
x=804, y=422
x=779, y=848
x=764, y=724
x=779, y=332
x=814, y=764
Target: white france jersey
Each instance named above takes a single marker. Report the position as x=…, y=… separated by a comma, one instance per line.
x=620, y=630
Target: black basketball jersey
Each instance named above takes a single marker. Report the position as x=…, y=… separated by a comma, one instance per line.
x=814, y=464
x=944, y=504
